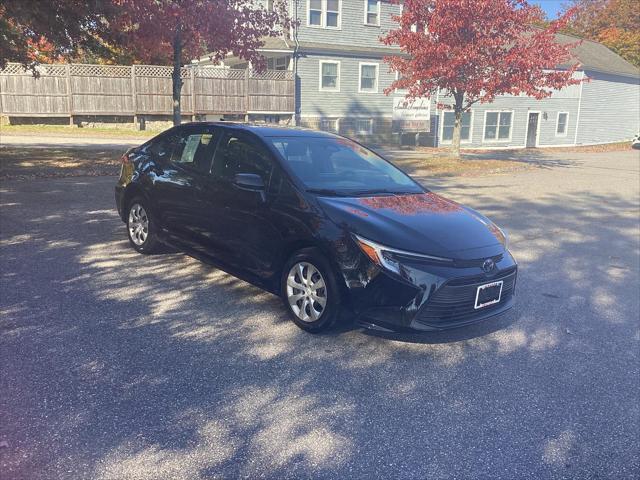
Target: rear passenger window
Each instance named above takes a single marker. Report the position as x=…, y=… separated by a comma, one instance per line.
x=194, y=150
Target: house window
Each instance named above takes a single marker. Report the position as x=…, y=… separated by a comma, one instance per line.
x=372, y=12
x=364, y=126
x=315, y=13
x=267, y=4
x=330, y=76
x=561, y=124
x=398, y=77
x=448, y=123
x=278, y=63
x=333, y=13
x=368, y=78
x=414, y=27
x=329, y=124
x=324, y=13
x=497, y=126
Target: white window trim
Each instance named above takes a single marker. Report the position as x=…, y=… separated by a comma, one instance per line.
x=496, y=140
x=336, y=124
x=320, y=87
x=566, y=126
x=378, y=16
x=323, y=15
x=309, y=14
x=369, y=131
x=368, y=64
x=449, y=142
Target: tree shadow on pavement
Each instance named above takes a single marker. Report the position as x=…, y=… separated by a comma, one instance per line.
x=117, y=365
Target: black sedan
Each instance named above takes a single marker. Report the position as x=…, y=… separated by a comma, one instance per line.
x=321, y=221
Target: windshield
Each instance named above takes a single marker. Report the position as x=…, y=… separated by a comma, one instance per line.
x=338, y=166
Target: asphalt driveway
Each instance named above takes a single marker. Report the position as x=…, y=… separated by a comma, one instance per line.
x=115, y=365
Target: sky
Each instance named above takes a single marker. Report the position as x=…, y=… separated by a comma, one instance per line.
x=551, y=7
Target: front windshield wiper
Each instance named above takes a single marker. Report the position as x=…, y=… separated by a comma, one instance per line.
x=380, y=191
x=326, y=191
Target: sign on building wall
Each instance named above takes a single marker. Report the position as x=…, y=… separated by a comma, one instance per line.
x=411, y=115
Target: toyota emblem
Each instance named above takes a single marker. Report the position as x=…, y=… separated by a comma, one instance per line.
x=488, y=265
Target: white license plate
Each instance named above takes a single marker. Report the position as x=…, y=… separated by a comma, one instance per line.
x=488, y=294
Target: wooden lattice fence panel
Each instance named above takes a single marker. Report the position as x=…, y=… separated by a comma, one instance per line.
x=271, y=91
x=109, y=71
x=80, y=89
x=46, y=94
x=101, y=89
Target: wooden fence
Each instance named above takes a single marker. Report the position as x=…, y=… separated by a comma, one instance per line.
x=73, y=90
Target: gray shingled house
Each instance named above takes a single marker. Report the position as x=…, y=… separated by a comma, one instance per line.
x=340, y=74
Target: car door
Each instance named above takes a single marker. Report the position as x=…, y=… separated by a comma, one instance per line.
x=180, y=185
x=242, y=219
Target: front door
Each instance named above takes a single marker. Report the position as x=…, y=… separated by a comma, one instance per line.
x=243, y=220
x=532, y=130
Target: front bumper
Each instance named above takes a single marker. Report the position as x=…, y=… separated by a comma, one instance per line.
x=429, y=297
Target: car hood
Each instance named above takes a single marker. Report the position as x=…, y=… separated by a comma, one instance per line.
x=423, y=223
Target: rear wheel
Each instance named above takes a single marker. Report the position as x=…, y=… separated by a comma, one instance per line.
x=309, y=291
x=141, y=227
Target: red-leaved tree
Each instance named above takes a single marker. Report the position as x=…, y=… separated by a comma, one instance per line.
x=176, y=31
x=475, y=50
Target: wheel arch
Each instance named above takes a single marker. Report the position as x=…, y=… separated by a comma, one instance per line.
x=301, y=244
x=131, y=191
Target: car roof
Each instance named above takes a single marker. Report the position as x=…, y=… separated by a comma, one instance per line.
x=263, y=130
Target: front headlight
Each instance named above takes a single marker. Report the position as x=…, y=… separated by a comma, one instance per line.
x=390, y=258
x=502, y=235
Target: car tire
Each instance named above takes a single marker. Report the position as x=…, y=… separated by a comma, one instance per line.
x=141, y=227
x=309, y=270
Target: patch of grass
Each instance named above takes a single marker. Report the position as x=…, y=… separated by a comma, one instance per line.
x=32, y=162
x=93, y=160
x=68, y=131
x=446, y=166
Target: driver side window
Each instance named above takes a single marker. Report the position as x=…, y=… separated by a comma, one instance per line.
x=237, y=153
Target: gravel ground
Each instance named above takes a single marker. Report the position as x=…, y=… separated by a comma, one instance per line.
x=115, y=365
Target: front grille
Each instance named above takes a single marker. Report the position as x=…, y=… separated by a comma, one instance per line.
x=477, y=262
x=454, y=302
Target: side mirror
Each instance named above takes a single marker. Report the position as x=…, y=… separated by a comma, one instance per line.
x=250, y=182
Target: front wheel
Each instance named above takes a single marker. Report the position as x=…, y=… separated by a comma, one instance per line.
x=310, y=292
x=141, y=227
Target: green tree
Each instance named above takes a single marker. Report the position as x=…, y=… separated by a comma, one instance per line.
x=614, y=23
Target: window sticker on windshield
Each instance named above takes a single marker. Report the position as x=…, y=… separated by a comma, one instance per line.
x=206, y=138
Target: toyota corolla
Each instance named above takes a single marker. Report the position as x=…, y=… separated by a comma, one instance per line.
x=318, y=219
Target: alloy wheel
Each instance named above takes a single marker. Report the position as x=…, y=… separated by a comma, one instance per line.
x=306, y=292
x=138, y=224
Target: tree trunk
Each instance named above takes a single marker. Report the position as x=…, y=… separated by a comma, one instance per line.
x=175, y=76
x=457, y=126
x=457, y=129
